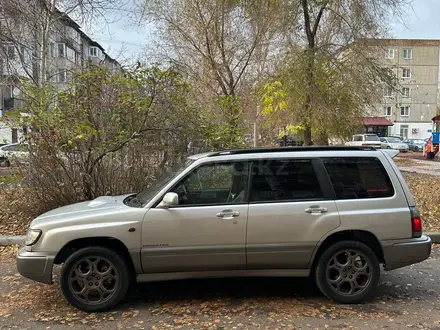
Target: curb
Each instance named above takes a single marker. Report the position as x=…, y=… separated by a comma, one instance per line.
x=435, y=237
x=12, y=240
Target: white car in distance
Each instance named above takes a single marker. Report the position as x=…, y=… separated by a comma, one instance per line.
x=13, y=153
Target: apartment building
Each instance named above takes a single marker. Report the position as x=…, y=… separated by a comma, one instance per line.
x=67, y=49
x=407, y=110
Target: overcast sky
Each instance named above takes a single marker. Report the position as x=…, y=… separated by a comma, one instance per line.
x=122, y=41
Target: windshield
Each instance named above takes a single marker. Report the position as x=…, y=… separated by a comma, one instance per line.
x=394, y=140
x=147, y=194
x=371, y=138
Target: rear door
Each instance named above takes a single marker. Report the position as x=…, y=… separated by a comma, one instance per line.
x=291, y=208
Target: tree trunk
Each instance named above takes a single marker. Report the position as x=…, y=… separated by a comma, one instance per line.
x=307, y=119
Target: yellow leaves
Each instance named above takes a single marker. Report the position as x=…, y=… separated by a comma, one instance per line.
x=424, y=189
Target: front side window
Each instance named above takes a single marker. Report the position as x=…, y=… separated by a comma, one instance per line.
x=284, y=180
x=358, y=177
x=214, y=184
x=156, y=185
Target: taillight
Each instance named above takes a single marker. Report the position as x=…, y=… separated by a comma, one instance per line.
x=416, y=222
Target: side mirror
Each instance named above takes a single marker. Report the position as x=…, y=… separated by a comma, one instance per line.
x=170, y=199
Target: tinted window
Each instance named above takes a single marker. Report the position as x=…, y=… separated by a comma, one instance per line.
x=212, y=184
x=355, y=178
x=278, y=180
x=358, y=138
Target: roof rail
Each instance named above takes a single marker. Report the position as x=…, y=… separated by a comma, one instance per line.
x=289, y=149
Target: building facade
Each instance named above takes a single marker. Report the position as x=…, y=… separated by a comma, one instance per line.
x=411, y=106
x=67, y=48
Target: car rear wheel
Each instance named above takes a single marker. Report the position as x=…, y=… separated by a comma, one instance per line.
x=95, y=279
x=348, y=272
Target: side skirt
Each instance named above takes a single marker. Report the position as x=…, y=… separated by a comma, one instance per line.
x=221, y=274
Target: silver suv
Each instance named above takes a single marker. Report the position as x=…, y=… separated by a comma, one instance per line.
x=333, y=213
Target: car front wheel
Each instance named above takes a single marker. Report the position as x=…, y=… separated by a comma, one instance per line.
x=95, y=279
x=348, y=272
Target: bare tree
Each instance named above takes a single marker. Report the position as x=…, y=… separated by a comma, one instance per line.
x=217, y=44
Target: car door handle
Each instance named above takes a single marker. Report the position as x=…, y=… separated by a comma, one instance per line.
x=228, y=214
x=316, y=209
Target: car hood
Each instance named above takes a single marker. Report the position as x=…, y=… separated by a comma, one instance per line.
x=100, y=205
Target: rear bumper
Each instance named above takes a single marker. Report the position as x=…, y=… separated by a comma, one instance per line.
x=401, y=253
x=36, y=266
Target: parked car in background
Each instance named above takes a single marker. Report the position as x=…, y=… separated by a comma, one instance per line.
x=336, y=214
x=365, y=140
x=13, y=153
x=416, y=144
x=394, y=143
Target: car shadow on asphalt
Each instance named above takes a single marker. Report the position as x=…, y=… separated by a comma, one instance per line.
x=234, y=289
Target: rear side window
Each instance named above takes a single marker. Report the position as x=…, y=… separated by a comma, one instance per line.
x=357, y=178
x=284, y=180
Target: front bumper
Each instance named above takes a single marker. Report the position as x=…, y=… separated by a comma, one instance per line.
x=401, y=253
x=35, y=265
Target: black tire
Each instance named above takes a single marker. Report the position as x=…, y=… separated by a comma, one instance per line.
x=4, y=162
x=324, y=273
x=77, y=264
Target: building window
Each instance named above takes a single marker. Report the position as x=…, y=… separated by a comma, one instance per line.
x=58, y=50
x=406, y=73
x=61, y=75
x=94, y=51
x=10, y=52
x=407, y=54
x=387, y=92
x=387, y=110
x=406, y=92
x=404, y=111
x=389, y=53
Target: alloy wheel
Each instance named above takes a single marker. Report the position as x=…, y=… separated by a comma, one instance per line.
x=349, y=272
x=93, y=280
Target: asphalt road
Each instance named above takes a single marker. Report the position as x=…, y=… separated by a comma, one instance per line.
x=407, y=298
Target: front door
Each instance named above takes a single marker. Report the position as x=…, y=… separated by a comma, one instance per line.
x=290, y=211
x=207, y=230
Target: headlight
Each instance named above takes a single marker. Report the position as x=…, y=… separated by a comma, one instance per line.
x=32, y=236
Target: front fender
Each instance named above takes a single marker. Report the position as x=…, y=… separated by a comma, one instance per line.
x=53, y=240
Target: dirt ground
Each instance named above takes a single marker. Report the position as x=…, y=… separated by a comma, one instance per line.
x=407, y=298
